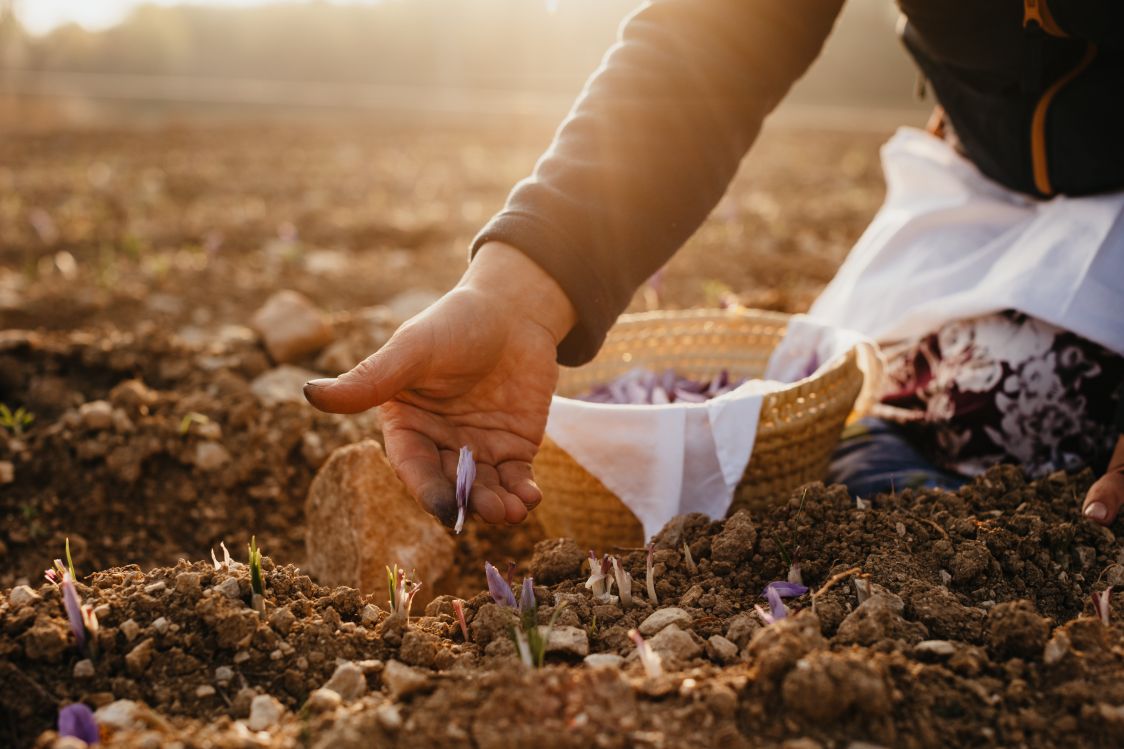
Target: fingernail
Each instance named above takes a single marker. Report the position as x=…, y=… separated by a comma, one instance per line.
x=1096, y=511
x=322, y=382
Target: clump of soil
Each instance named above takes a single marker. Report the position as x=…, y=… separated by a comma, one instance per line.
x=977, y=631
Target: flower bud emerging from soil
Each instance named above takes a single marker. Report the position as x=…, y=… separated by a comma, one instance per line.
x=402, y=592
x=458, y=609
x=624, y=583
x=1102, y=605
x=599, y=582
x=775, y=592
x=227, y=561
x=466, y=475
x=77, y=721
x=498, y=587
x=650, y=576
x=649, y=659
x=527, y=604
x=689, y=560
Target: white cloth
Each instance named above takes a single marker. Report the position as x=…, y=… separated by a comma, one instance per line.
x=668, y=460
x=950, y=244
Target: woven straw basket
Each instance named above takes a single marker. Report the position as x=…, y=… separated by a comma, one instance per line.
x=798, y=429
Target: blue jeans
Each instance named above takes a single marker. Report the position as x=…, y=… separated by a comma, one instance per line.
x=874, y=457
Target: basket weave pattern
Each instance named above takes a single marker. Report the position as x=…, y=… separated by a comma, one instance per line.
x=798, y=429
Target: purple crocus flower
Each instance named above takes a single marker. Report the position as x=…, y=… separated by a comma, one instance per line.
x=498, y=587
x=77, y=720
x=527, y=602
x=466, y=474
x=73, y=605
x=775, y=592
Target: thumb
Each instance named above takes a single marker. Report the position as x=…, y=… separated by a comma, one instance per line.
x=375, y=380
x=1104, y=499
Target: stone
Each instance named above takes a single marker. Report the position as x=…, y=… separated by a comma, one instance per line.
x=120, y=714
x=22, y=595
x=402, y=680
x=291, y=326
x=188, y=584
x=96, y=415
x=568, y=641
x=282, y=620
x=45, y=642
x=1057, y=648
x=265, y=712
x=939, y=648
x=603, y=660
x=661, y=618
x=7, y=472
x=230, y=588
x=741, y=628
x=673, y=643
x=388, y=716
x=223, y=674
x=360, y=520
x=284, y=384
x=130, y=629
x=83, y=669
x=324, y=700
x=156, y=588
x=139, y=658
x=692, y=597
x=204, y=691
x=370, y=615
x=160, y=625
x=348, y=682
x=210, y=456
x=720, y=650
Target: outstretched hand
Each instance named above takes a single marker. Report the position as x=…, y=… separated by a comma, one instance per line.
x=1106, y=496
x=478, y=369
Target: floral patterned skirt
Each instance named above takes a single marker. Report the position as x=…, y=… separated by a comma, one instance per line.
x=1005, y=388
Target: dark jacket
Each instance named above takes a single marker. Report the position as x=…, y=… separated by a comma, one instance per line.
x=1034, y=90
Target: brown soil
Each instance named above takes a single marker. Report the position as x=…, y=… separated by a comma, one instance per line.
x=130, y=259
x=997, y=574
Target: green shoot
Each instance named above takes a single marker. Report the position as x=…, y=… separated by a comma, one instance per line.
x=70, y=561
x=257, y=582
x=402, y=591
x=192, y=417
x=16, y=422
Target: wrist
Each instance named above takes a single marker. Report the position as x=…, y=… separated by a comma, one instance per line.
x=509, y=276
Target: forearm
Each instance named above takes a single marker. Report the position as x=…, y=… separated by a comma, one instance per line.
x=652, y=144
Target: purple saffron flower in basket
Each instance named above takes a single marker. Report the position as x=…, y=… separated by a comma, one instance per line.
x=775, y=592
x=77, y=720
x=498, y=587
x=466, y=474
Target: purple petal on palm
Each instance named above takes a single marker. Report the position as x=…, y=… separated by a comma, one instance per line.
x=73, y=605
x=466, y=475
x=527, y=596
x=77, y=720
x=498, y=587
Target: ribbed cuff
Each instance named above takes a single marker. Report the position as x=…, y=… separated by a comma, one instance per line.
x=596, y=307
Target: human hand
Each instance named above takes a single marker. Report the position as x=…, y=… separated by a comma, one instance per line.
x=1104, y=498
x=477, y=368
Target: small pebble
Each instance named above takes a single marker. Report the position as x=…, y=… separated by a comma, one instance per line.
x=223, y=674
x=160, y=625
x=241, y=657
x=22, y=595
x=230, y=588
x=156, y=588
x=388, y=716
x=83, y=669
x=323, y=700
x=603, y=660
x=942, y=648
x=205, y=691
x=130, y=629
x=265, y=712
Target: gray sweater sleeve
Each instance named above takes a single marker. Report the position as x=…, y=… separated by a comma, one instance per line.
x=651, y=144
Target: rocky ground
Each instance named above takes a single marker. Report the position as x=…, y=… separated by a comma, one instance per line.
x=977, y=631
x=163, y=294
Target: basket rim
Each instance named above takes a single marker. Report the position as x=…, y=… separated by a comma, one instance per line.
x=699, y=314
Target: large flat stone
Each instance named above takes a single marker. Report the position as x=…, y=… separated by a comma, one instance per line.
x=360, y=519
